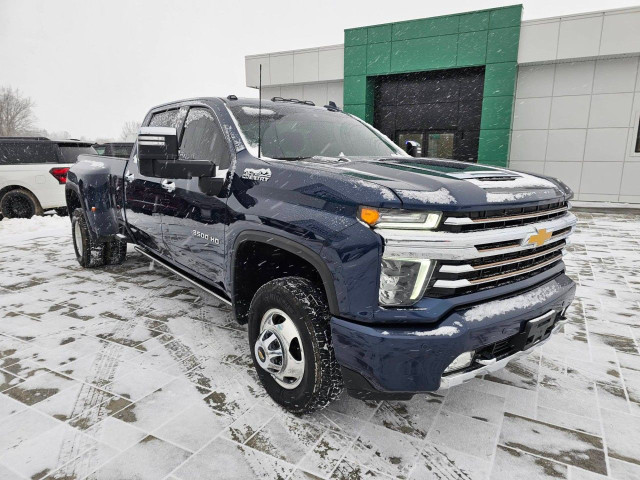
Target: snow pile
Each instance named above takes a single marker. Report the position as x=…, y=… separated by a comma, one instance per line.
x=499, y=307
x=442, y=196
x=16, y=230
x=446, y=330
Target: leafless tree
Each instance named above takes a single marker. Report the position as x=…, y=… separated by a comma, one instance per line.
x=130, y=131
x=16, y=112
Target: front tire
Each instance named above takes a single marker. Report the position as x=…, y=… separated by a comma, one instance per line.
x=20, y=203
x=89, y=253
x=290, y=340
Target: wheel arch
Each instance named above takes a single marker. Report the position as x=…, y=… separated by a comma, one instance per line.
x=292, y=248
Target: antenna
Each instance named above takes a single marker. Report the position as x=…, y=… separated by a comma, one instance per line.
x=260, y=112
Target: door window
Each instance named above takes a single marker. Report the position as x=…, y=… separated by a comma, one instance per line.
x=203, y=139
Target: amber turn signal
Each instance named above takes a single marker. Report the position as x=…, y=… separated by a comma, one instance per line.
x=369, y=215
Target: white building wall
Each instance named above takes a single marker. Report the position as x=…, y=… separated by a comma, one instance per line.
x=578, y=102
x=314, y=74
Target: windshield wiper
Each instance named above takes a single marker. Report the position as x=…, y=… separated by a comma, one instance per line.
x=291, y=158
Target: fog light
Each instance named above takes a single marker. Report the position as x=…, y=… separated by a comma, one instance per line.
x=461, y=361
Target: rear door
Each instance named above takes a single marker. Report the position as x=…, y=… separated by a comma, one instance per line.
x=194, y=222
x=145, y=197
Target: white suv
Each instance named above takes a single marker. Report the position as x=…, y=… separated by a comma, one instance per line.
x=33, y=171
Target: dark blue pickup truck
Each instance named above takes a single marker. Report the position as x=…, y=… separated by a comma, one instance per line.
x=354, y=264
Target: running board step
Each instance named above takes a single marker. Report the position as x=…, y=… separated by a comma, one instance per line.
x=182, y=275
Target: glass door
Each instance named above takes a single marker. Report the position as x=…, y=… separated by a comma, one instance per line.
x=404, y=137
x=439, y=144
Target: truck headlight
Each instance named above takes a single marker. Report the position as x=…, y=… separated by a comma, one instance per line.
x=403, y=280
x=399, y=219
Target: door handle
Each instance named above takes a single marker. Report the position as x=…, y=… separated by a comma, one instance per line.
x=129, y=176
x=168, y=186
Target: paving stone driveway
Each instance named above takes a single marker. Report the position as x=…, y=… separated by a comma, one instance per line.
x=128, y=372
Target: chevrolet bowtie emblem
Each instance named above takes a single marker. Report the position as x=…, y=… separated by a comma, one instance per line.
x=540, y=237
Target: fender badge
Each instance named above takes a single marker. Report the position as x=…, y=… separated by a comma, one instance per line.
x=539, y=238
x=260, y=175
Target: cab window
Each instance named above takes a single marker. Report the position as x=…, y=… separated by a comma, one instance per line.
x=203, y=139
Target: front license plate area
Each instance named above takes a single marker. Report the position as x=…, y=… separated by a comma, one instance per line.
x=535, y=331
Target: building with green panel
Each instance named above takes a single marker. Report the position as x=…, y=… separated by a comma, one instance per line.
x=558, y=96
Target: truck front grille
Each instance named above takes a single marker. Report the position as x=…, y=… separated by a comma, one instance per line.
x=461, y=277
x=458, y=222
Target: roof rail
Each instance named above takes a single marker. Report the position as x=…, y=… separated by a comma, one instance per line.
x=293, y=100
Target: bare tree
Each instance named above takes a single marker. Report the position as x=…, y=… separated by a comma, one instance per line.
x=130, y=131
x=16, y=113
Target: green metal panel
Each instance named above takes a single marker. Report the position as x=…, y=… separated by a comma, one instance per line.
x=505, y=17
x=355, y=60
x=428, y=53
x=355, y=36
x=474, y=21
x=500, y=79
x=379, y=33
x=355, y=91
x=472, y=48
x=494, y=147
x=486, y=37
x=502, y=45
x=378, y=58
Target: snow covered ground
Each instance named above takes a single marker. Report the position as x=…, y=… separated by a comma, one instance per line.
x=128, y=372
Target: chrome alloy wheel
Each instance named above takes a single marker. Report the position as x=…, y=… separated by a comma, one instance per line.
x=278, y=349
x=77, y=234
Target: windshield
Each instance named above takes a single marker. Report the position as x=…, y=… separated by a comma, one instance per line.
x=292, y=131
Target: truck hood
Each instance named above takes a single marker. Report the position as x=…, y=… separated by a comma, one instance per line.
x=446, y=183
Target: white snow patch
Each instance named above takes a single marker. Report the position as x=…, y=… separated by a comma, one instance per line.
x=16, y=230
x=254, y=111
x=524, y=301
x=386, y=193
x=441, y=196
x=522, y=181
x=446, y=330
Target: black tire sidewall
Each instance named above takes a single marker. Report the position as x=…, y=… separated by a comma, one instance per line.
x=279, y=297
x=78, y=217
x=7, y=198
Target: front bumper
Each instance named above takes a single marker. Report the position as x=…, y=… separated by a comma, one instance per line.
x=398, y=361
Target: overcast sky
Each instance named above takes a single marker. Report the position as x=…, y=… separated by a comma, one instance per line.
x=92, y=65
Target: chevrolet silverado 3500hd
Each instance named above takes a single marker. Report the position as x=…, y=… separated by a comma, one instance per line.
x=354, y=264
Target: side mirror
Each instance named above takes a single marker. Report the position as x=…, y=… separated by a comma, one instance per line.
x=413, y=148
x=157, y=143
x=158, y=156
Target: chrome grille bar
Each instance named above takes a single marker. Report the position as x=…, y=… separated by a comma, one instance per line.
x=472, y=268
x=471, y=221
x=463, y=282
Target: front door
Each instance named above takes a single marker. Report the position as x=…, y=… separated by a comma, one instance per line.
x=194, y=222
x=145, y=196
